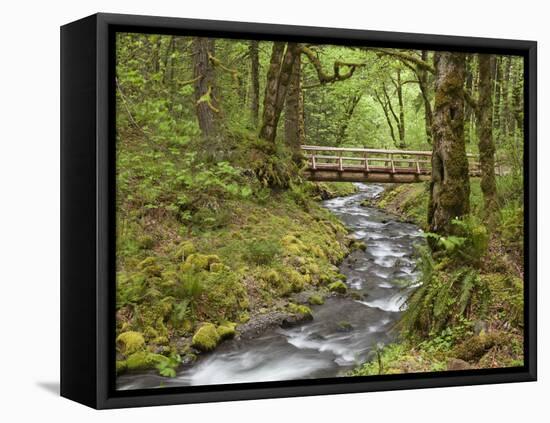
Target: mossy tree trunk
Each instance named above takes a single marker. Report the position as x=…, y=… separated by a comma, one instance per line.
x=207, y=108
x=484, y=115
x=255, y=81
x=450, y=184
x=294, y=111
x=423, y=82
x=278, y=81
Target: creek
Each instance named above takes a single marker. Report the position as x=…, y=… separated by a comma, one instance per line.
x=344, y=331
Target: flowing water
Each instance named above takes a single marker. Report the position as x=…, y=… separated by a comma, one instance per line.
x=344, y=331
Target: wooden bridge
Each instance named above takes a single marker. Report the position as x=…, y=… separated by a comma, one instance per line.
x=371, y=165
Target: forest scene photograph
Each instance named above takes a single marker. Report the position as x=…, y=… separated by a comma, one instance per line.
x=289, y=210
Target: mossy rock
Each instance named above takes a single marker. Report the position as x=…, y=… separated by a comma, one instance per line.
x=121, y=366
x=344, y=326
x=206, y=338
x=338, y=287
x=316, y=299
x=226, y=330
x=357, y=245
x=475, y=347
x=144, y=360
x=185, y=249
x=150, y=267
x=199, y=262
x=301, y=310
x=218, y=267
x=130, y=342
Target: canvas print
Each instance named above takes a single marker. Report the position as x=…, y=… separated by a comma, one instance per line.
x=292, y=211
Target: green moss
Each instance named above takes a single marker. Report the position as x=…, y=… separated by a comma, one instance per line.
x=150, y=267
x=143, y=360
x=130, y=342
x=121, y=366
x=226, y=330
x=300, y=310
x=185, y=249
x=357, y=245
x=344, y=326
x=476, y=346
x=206, y=338
x=218, y=267
x=316, y=299
x=197, y=262
x=339, y=287
x=146, y=242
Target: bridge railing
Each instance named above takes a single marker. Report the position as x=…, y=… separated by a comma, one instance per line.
x=374, y=160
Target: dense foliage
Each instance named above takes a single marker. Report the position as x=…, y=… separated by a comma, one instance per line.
x=215, y=224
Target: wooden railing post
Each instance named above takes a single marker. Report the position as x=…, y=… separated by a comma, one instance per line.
x=313, y=163
x=340, y=162
x=366, y=162
x=392, y=164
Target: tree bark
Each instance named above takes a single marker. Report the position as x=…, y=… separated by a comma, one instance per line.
x=278, y=80
x=484, y=114
x=505, y=98
x=208, y=112
x=294, y=117
x=401, y=120
x=255, y=77
x=423, y=76
x=348, y=114
x=450, y=185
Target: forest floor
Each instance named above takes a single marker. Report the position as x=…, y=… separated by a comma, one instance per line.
x=489, y=331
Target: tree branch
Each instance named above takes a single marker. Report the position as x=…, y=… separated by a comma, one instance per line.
x=324, y=77
x=403, y=57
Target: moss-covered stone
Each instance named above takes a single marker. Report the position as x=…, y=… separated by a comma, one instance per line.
x=121, y=366
x=130, y=342
x=206, y=338
x=226, y=330
x=357, y=245
x=185, y=249
x=299, y=309
x=344, y=326
x=150, y=267
x=143, y=360
x=316, y=299
x=198, y=262
x=218, y=267
x=475, y=347
x=338, y=287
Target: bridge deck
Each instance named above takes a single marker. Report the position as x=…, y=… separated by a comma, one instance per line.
x=371, y=165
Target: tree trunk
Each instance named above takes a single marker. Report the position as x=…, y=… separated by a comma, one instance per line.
x=450, y=184
x=425, y=90
x=278, y=80
x=348, y=114
x=208, y=113
x=484, y=114
x=294, y=119
x=255, y=76
x=401, y=120
x=505, y=112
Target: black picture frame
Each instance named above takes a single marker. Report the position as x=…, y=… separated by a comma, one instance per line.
x=87, y=211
